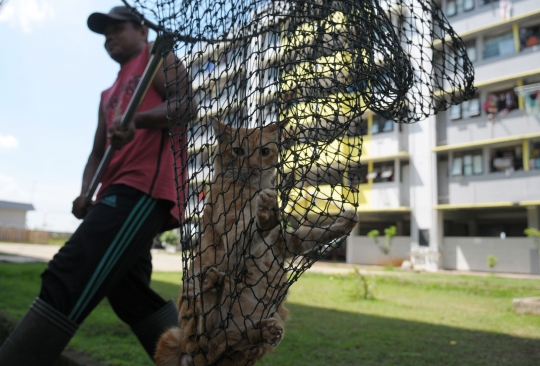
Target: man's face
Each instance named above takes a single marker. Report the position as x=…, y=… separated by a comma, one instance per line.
x=123, y=40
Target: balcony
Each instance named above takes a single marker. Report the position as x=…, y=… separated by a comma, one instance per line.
x=514, y=188
x=465, y=133
x=380, y=197
x=509, y=67
x=486, y=17
x=382, y=144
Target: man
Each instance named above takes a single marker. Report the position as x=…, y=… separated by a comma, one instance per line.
x=109, y=254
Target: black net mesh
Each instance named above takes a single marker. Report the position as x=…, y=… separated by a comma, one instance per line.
x=268, y=170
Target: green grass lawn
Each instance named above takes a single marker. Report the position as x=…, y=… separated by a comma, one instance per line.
x=415, y=319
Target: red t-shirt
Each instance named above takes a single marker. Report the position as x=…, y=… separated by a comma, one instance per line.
x=146, y=163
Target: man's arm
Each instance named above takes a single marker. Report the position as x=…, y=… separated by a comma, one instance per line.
x=182, y=107
x=178, y=90
x=80, y=204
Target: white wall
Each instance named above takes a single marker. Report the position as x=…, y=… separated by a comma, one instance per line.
x=479, y=128
x=495, y=187
x=516, y=255
x=362, y=250
x=12, y=218
x=384, y=143
x=385, y=194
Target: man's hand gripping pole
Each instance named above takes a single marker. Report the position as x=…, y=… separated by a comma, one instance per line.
x=162, y=47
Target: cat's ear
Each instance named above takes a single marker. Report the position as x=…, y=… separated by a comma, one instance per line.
x=271, y=128
x=274, y=127
x=222, y=131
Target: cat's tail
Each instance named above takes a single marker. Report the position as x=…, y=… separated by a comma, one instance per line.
x=169, y=349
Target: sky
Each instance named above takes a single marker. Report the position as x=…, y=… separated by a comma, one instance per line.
x=52, y=71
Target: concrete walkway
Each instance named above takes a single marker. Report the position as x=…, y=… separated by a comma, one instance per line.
x=23, y=253
x=163, y=261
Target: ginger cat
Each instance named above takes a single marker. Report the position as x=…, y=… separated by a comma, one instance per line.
x=231, y=308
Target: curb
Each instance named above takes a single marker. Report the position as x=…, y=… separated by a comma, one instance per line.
x=68, y=358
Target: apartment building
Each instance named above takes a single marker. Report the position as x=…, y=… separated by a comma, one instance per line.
x=472, y=178
x=458, y=186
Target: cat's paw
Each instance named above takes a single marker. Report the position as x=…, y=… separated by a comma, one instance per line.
x=346, y=222
x=272, y=331
x=211, y=278
x=267, y=200
x=267, y=209
x=186, y=360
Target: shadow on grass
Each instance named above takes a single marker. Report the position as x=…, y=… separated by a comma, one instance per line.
x=318, y=336
x=314, y=336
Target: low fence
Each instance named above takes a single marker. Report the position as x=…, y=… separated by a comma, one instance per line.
x=363, y=250
x=18, y=235
x=515, y=255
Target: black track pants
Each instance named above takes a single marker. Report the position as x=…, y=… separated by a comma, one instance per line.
x=109, y=255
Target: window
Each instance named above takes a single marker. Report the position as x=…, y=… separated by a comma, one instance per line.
x=471, y=108
x=468, y=5
x=467, y=163
x=529, y=36
x=358, y=175
x=388, y=126
x=451, y=8
x=477, y=168
x=358, y=127
x=499, y=45
x=534, y=154
x=467, y=109
x=457, y=166
x=372, y=175
x=382, y=172
x=471, y=51
x=504, y=101
x=381, y=124
x=507, y=159
x=454, y=7
x=455, y=112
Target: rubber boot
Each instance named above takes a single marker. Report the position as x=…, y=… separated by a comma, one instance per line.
x=39, y=338
x=149, y=330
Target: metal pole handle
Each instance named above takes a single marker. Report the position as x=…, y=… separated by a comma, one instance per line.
x=161, y=49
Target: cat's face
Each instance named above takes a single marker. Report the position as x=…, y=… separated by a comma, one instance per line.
x=249, y=154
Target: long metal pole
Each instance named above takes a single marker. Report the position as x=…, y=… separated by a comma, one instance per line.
x=161, y=49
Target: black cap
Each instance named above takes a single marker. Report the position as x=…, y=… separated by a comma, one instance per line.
x=97, y=22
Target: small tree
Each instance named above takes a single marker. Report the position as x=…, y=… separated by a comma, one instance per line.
x=367, y=285
x=374, y=234
x=492, y=261
x=535, y=234
x=389, y=234
x=170, y=237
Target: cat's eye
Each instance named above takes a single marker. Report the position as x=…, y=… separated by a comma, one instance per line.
x=238, y=151
x=265, y=151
